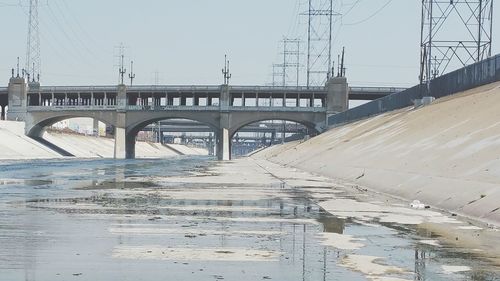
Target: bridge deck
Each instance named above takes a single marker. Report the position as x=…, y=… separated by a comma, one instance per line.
x=356, y=93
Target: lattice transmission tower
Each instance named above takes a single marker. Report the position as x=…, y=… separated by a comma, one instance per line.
x=454, y=33
x=320, y=19
x=33, y=57
x=290, y=67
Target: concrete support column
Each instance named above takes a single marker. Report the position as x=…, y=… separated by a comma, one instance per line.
x=96, y=127
x=223, y=145
x=2, y=116
x=222, y=136
x=121, y=97
x=337, y=95
x=17, y=98
x=124, y=147
x=124, y=142
x=224, y=100
x=120, y=143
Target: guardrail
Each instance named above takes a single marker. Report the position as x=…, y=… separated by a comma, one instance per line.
x=174, y=108
x=276, y=109
x=174, y=88
x=377, y=89
x=469, y=77
x=74, y=89
x=171, y=108
x=278, y=88
x=72, y=108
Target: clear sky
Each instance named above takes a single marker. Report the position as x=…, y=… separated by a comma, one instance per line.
x=185, y=40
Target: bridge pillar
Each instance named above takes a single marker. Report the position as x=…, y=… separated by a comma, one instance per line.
x=17, y=92
x=223, y=144
x=96, y=128
x=223, y=137
x=124, y=142
x=120, y=143
x=2, y=116
x=338, y=95
x=121, y=98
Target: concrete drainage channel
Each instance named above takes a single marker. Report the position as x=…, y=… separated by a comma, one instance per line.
x=189, y=218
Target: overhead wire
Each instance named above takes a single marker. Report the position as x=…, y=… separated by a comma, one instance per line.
x=372, y=15
x=74, y=32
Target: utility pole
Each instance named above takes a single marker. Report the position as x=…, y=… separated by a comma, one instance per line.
x=131, y=75
x=341, y=64
x=121, y=64
x=122, y=69
x=226, y=71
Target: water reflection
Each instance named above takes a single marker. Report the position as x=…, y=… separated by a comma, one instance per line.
x=109, y=204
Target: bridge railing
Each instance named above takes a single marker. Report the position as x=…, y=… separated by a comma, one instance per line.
x=72, y=108
x=278, y=88
x=378, y=89
x=469, y=77
x=74, y=89
x=174, y=88
x=277, y=108
x=171, y=107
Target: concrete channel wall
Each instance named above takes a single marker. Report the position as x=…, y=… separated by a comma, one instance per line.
x=14, y=145
x=472, y=76
x=446, y=155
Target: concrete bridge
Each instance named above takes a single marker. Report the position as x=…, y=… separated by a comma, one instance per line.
x=225, y=109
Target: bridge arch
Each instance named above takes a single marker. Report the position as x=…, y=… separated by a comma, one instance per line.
x=236, y=125
x=314, y=122
x=40, y=121
x=136, y=122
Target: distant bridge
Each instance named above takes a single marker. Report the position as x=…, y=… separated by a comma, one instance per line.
x=225, y=109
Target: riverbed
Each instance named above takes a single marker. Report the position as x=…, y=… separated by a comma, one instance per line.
x=194, y=218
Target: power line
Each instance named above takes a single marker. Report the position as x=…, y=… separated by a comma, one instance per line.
x=371, y=16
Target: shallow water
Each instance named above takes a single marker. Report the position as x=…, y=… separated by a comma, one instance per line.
x=192, y=218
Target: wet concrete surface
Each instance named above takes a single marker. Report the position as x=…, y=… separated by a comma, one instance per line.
x=192, y=218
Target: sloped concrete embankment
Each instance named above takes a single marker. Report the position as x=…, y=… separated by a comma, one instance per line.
x=446, y=155
x=15, y=145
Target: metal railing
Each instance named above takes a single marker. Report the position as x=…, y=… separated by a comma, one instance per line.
x=277, y=109
x=72, y=108
x=277, y=89
x=74, y=89
x=174, y=88
x=377, y=89
x=469, y=77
